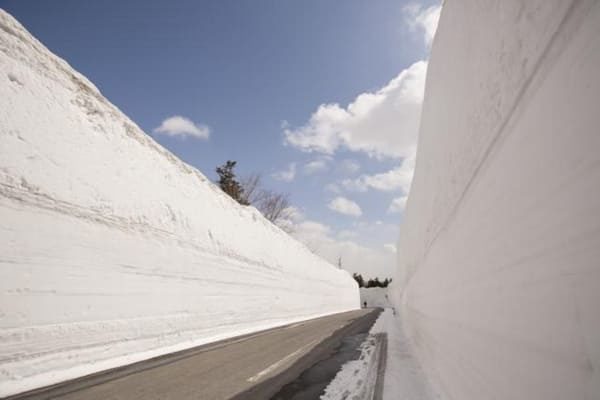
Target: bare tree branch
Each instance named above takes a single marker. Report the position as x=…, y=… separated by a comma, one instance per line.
x=252, y=188
x=273, y=206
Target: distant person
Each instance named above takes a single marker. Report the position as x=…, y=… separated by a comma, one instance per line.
x=365, y=304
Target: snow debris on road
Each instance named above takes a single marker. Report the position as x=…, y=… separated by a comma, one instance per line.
x=357, y=378
x=403, y=377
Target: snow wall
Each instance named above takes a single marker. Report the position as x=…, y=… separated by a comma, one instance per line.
x=112, y=249
x=500, y=249
x=375, y=297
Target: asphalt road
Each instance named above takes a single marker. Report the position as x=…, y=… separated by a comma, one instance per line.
x=255, y=366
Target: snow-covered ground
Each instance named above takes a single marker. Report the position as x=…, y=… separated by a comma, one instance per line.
x=375, y=297
x=112, y=249
x=499, y=272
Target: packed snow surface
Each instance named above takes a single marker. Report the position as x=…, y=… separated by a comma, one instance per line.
x=112, y=249
x=499, y=273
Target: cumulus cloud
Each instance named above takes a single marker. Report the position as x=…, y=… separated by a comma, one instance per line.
x=397, y=205
x=395, y=179
x=294, y=214
x=317, y=165
x=381, y=124
x=360, y=245
x=423, y=19
x=313, y=228
x=324, y=241
x=390, y=247
x=333, y=188
x=182, y=127
x=345, y=206
x=349, y=166
x=347, y=234
x=287, y=175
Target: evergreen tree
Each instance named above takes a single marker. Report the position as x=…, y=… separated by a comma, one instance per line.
x=229, y=183
x=359, y=279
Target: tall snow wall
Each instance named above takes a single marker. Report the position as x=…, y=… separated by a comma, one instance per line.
x=500, y=249
x=112, y=250
x=375, y=297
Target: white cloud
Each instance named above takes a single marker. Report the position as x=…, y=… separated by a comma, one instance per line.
x=349, y=166
x=291, y=216
x=333, y=188
x=182, y=127
x=313, y=228
x=423, y=19
x=390, y=247
x=345, y=206
x=286, y=175
x=397, y=205
x=347, y=234
x=382, y=124
x=318, y=165
x=398, y=178
x=294, y=214
x=322, y=240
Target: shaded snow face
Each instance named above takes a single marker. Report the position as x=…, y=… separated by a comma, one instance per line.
x=374, y=297
x=113, y=250
x=498, y=273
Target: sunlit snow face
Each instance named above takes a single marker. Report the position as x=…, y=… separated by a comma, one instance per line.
x=330, y=116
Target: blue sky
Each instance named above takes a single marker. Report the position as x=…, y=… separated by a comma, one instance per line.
x=272, y=82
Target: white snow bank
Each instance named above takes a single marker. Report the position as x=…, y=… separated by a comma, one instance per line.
x=357, y=378
x=113, y=250
x=404, y=379
x=375, y=297
x=500, y=247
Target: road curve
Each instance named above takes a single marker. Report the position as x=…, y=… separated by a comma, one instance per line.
x=252, y=366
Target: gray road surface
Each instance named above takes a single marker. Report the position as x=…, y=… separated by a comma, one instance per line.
x=253, y=366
